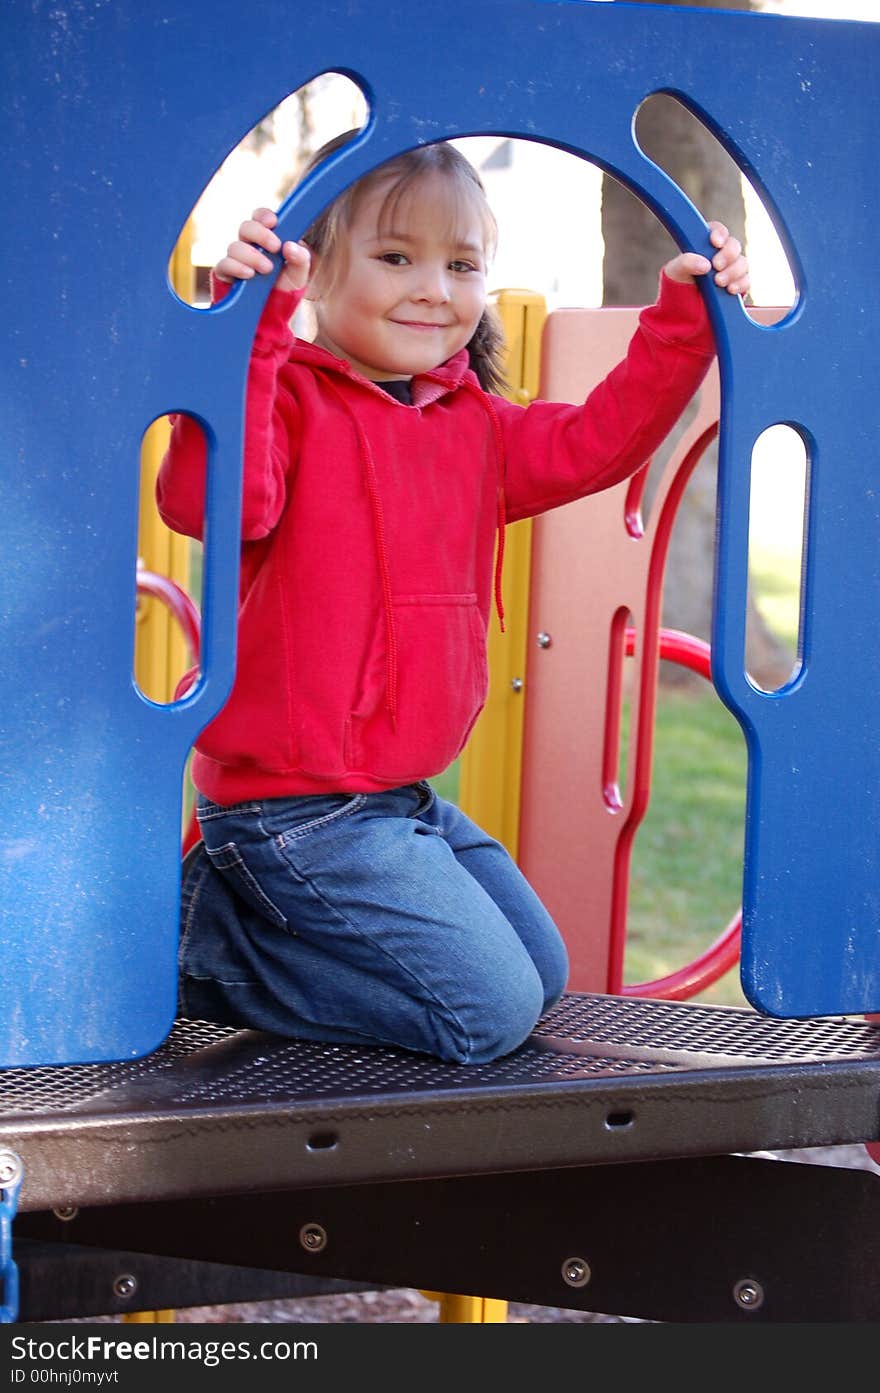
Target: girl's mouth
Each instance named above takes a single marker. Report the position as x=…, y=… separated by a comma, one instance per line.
x=418, y=324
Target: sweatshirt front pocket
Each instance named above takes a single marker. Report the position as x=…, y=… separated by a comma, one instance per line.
x=441, y=683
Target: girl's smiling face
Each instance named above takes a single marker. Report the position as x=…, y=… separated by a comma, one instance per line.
x=411, y=286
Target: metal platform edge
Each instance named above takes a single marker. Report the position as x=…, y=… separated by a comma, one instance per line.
x=149, y=1140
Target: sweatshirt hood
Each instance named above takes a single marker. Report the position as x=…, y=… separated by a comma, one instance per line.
x=426, y=387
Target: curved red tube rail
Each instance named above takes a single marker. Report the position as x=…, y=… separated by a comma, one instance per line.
x=177, y=601
x=720, y=956
x=175, y=598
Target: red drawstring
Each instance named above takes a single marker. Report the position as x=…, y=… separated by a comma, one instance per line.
x=486, y=402
x=379, y=528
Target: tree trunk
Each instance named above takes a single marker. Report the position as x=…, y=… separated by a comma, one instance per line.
x=636, y=246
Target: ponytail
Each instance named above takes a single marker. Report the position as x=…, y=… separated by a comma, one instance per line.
x=486, y=352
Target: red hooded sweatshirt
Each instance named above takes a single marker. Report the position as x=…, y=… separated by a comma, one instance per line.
x=368, y=534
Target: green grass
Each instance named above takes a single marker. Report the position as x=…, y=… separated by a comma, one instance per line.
x=446, y=783
x=774, y=574
x=686, y=868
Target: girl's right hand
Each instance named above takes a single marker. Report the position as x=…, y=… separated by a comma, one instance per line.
x=245, y=257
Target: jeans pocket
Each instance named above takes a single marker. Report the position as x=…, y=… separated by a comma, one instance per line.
x=324, y=813
x=229, y=861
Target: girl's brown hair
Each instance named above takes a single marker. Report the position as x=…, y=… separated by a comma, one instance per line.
x=326, y=235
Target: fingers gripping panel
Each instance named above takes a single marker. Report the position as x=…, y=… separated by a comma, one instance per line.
x=110, y=129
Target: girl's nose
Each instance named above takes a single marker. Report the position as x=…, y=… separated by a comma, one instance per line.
x=433, y=285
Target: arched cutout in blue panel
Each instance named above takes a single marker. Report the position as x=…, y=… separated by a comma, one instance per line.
x=290, y=131
x=110, y=128
x=690, y=132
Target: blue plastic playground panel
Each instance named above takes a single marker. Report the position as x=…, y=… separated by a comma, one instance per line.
x=114, y=117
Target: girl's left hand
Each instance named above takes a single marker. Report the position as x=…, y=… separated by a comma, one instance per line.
x=729, y=263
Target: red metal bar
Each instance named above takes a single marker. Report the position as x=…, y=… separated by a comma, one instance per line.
x=175, y=598
x=177, y=601
x=644, y=696
x=695, y=976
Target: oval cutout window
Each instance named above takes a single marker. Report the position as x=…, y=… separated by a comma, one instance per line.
x=778, y=491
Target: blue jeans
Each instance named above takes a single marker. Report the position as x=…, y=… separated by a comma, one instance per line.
x=368, y=919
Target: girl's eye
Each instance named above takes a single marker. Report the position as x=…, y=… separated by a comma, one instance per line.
x=462, y=266
x=393, y=258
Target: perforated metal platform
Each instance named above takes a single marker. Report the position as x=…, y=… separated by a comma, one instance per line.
x=217, y=1111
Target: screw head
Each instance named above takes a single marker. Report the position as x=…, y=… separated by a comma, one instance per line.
x=748, y=1294
x=66, y=1212
x=10, y=1168
x=125, y=1285
x=313, y=1237
x=576, y=1272
x=544, y=639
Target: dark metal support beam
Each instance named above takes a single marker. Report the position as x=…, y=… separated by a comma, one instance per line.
x=724, y=1238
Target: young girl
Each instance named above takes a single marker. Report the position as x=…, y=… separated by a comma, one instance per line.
x=335, y=896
